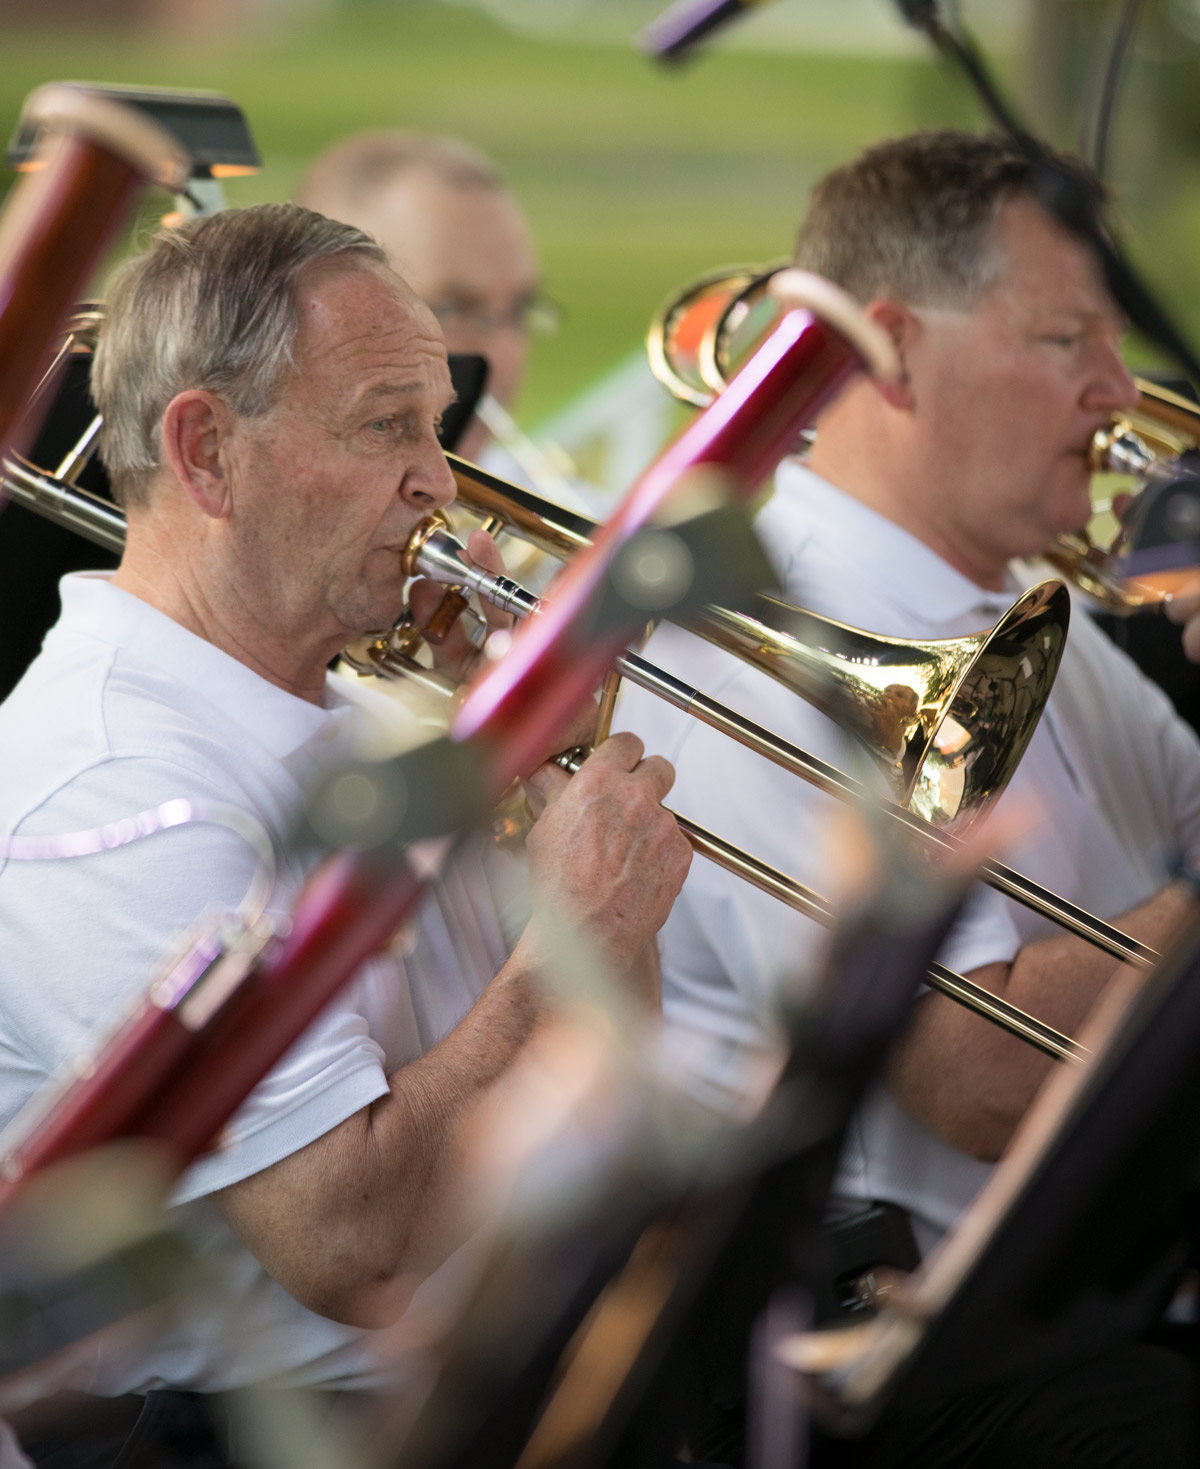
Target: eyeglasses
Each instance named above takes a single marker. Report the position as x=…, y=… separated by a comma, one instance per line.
x=537, y=314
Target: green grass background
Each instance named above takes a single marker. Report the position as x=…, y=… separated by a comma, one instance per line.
x=635, y=178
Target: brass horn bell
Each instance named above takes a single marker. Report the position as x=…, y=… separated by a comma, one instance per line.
x=1147, y=442
x=947, y=720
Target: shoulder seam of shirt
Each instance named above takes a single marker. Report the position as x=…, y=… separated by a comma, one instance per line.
x=170, y=762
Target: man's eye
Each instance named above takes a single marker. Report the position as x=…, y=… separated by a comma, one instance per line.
x=380, y=425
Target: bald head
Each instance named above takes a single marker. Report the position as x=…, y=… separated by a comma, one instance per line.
x=352, y=173
x=440, y=209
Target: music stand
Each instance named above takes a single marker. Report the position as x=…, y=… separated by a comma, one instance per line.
x=1074, y=1243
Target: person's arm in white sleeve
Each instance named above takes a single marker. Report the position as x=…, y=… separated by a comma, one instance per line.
x=963, y=1077
x=350, y=1223
x=971, y=1082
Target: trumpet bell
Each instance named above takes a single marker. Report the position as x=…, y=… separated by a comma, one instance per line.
x=947, y=720
x=681, y=340
x=1148, y=442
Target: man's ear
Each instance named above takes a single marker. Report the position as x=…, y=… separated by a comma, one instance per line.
x=904, y=328
x=195, y=429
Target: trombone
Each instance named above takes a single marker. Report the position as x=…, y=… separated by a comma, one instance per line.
x=560, y=532
x=434, y=552
x=1032, y=634
x=938, y=703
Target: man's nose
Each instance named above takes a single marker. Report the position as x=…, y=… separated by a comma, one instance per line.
x=1113, y=387
x=506, y=354
x=431, y=483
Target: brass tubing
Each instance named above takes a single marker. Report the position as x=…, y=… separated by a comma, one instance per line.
x=433, y=553
x=834, y=783
x=67, y=505
x=776, y=884
x=105, y=525
x=965, y=991
x=607, y=706
x=559, y=532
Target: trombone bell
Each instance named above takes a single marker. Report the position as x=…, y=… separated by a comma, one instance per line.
x=946, y=720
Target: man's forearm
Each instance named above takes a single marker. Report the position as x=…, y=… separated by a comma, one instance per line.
x=346, y=1222
x=969, y=1081
x=341, y=1222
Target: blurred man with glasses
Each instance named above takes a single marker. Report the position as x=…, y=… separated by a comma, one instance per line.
x=442, y=211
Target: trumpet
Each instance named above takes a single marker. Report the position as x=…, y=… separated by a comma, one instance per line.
x=1147, y=442
x=698, y=336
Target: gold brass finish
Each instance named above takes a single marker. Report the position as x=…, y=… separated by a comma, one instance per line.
x=948, y=720
x=678, y=327
x=55, y=493
x=691, y=347
x=435, y=556
x=688, y=343
x=561, y=532
x=1159, y=429
x=416, y=543
x=548, y=526
x=722, y=343
x=928, y=713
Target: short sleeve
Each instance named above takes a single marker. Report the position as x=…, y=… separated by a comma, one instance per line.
x=85, y=937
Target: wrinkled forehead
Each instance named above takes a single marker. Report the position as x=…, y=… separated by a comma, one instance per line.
x=344, y=282
x=359, y=317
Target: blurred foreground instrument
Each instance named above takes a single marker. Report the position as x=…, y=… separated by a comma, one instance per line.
x=597, y=1303
x=926, y=712
x=1073, y=1244
x=221, y=1017
x=1030, y=638
x=93, y=156
x=510, y=509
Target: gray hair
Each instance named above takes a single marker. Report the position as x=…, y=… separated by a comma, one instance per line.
x=212, y=305
x=350, y=173
x=912, y=217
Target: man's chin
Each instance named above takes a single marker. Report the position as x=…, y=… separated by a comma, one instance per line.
x=375, y=609
x=1076, y=516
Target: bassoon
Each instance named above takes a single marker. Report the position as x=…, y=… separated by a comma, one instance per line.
x=221, y=1018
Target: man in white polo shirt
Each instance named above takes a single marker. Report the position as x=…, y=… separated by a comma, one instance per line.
x=903, y=520
x=271, y=392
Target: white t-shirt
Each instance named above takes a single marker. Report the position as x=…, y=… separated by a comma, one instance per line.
x=122, y=710
x=1113, y=773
